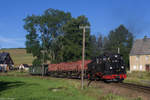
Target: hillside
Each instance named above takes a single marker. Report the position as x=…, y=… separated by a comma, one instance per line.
x=19, y=56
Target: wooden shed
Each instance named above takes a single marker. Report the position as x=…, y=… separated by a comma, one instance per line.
x=6, y=62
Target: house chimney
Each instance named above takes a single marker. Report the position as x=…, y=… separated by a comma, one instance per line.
x=145, y=38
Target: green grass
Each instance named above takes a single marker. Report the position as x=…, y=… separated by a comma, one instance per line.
x=137, y=77
x=34, y=88
x=19, y=56
x=21, y=86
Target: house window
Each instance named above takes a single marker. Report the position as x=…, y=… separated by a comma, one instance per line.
x=147, y=58
x=134, y=67
x=137, y=58
x=147, y=67
x=140, y=67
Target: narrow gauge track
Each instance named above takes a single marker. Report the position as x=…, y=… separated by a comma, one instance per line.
x=140, y=88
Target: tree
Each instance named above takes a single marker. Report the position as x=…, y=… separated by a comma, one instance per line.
x=72, y=40
x=43, y=33
x=120, y=38
x=96, y=45
x=105, y=44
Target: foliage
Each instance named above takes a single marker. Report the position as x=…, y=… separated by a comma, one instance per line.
x=55, y=37
x=43, y=32
x=119, y=38
x=72, y=39
x=96, y=44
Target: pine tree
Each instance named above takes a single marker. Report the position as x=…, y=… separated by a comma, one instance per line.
x=120, y=38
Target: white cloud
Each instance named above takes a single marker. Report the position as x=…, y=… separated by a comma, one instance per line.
x=7, y=42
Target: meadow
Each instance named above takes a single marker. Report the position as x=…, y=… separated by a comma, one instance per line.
x=137, y=77
x=21, y=86
x=19, y=56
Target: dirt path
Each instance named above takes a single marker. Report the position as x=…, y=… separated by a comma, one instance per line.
x=121, y=91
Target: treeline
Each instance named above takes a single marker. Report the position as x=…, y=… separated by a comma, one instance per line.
x=118, y=38
x=55, y=37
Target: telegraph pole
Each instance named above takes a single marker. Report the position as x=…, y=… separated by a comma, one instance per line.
x=83, y=52
x=43, y=55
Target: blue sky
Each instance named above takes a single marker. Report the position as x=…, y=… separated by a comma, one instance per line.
x=104, y=15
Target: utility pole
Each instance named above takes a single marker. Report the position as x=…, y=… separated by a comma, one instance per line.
x=0, y=49
x=43, y=54
x=83, y=51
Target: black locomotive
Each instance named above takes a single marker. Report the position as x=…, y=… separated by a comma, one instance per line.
x=107, y=67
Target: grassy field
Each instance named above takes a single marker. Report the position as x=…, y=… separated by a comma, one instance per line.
x=21, y=86
x=137, y=77
x=37, y=88
x=19, y=56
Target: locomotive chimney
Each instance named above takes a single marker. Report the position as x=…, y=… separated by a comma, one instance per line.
x=118, y=50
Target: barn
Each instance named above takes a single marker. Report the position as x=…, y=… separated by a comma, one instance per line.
x=24, y=67
x=140, y=55
x=6, y=62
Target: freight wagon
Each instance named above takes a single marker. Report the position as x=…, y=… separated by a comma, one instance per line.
x=107, y=67
x=67, y=69
x=38, y=70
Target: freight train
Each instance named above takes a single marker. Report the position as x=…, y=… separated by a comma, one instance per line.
x=107, y=67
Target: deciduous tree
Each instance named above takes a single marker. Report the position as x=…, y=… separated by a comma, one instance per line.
x=43, y=32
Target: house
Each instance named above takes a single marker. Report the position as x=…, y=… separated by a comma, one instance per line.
x=5, y=61
x=140, y=55
x=24, y=67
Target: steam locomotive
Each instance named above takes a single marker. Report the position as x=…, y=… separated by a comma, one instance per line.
x=107, y=67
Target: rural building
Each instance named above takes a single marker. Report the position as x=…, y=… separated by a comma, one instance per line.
x=5, y=61
x=140, y=55
x=24, y=67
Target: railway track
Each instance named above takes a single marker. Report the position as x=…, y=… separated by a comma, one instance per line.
x=132, y=86
x=140, y=88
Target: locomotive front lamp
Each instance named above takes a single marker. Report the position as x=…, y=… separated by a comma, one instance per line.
x=122, y=67
x=110, y=67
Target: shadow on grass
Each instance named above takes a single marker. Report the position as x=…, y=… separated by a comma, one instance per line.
x=4, y=85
